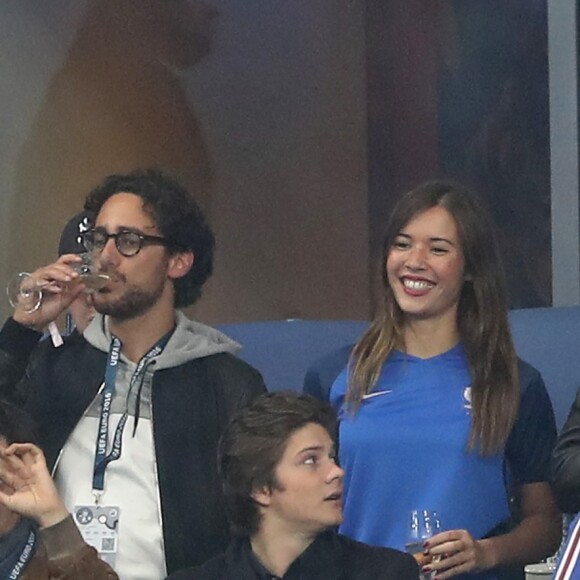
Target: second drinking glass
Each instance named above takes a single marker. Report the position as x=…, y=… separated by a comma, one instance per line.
x=422, y=525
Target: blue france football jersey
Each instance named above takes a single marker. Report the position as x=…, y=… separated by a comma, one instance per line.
x=405, y=449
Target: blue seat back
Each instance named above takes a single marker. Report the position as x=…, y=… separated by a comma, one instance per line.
x=282, y=350
x=547, y=338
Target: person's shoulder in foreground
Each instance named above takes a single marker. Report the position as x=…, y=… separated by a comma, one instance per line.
x=566, y=461
x=330, y=557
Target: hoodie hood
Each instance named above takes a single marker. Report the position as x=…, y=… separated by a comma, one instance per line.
x=190, y=340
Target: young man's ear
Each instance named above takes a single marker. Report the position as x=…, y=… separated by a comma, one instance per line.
x=262, y=496
x=180, y=264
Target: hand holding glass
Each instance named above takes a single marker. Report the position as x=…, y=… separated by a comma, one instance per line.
x=26, y=291
x=422, y=525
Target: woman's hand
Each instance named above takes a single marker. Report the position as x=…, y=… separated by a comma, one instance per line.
x=29, y=489
x=535, y=537
x=455, y=552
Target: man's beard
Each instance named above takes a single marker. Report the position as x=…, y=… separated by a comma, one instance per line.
x=133, y=303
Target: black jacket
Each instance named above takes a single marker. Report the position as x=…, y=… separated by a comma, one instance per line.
x=329, y=557
x=566, y=462
x=191, y=404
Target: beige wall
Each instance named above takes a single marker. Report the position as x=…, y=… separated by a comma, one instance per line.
x=260, y=109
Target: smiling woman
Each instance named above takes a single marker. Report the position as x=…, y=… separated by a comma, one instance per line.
x=455, y=415
x=425, y=267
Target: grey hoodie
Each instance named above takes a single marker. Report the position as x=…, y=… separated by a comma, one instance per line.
x=190, y=340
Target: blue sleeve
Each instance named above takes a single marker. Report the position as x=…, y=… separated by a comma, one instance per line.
x=533, y=437
x=323, y=372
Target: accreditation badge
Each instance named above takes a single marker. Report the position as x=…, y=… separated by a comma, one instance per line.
x=99, y=527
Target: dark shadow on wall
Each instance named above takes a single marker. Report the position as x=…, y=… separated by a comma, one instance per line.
x=117, y=103
x=494, y=130
x=459, y=89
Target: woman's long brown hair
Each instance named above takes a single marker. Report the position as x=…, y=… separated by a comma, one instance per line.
x=481, y=317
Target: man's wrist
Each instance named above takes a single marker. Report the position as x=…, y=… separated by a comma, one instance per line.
x=53, y=516
x=24, y=319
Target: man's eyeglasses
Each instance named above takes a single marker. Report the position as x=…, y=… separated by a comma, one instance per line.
x=128, y=243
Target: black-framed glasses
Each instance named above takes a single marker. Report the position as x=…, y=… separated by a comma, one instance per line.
x=128, y=243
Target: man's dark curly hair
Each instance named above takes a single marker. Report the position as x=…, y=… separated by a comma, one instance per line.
x=178, y=217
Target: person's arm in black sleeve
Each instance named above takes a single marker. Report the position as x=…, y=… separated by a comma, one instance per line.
x=17, y=343
x=21, y=332
x=566, y=462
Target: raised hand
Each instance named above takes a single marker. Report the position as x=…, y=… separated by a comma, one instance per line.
x=29, y=489
x=59, y=288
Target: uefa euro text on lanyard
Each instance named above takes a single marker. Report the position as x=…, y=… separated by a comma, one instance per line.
x=102, y=458
x=18, y=549
x=98, y=524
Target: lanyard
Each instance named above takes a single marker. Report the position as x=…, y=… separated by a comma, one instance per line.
x=25, y=556
x=102, y=458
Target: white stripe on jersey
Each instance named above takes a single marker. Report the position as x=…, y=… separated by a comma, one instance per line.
x=570, y=555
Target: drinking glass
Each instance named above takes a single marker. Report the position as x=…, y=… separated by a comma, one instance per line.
x=26, y=291
x=422, y=525
x=23, y=290
x=88, y=273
